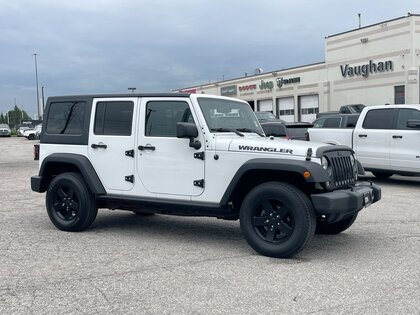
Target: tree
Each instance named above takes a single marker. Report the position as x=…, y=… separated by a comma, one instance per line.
x=2, y=119
x=14, y=117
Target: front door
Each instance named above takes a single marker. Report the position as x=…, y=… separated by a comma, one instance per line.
x=166, y=164
x=405, y=142
x=372, y=141
x=111, y=142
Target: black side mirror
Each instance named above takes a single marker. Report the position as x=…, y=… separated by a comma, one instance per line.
x=188, y=130
x=412, y=123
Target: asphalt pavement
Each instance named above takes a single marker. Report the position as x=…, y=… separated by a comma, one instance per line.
x=128, y=264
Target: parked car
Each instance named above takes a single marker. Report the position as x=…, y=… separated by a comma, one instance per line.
x=20, y=131
x=286, y=130
x=32, y=134
x=5, y=130
x=385, y=139
x=336, y=121
x=267, y=116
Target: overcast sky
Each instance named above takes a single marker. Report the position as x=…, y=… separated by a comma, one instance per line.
x=93, y=46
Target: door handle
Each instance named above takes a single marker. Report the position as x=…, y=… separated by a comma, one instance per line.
x=396, y=137
x=362, y=136
x=147, y=147
x=96, y=146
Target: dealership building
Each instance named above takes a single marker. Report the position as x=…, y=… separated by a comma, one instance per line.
x=372, y=65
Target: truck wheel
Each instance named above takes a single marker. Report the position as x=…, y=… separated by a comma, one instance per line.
x=382, y=175
x=337, y=227
x=277, y=219
x=31, y=137
x=70, y=204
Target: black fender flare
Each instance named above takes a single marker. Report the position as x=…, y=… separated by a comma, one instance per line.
x=317, y=172
x=81, y=162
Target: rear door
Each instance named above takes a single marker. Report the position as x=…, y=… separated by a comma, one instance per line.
x=372, y=140
x=405, y=142
x=111, y=142
x=167, y=164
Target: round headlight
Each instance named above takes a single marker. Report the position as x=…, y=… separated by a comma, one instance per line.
x=324, y=162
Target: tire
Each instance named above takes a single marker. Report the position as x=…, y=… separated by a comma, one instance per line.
x=337, y=227
x=277, y=219
x=382, y=175
x=31, y=137
x=70, y=204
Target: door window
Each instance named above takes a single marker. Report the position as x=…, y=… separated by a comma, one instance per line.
x=404, y=115
x=162, y=117
x=332, y=122
x=379, y=119
x=114, y=118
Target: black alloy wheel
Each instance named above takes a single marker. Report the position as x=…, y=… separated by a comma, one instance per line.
x=70, y=204
x=277, y=219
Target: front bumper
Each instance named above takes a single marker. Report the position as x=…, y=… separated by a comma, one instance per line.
x=346, y=201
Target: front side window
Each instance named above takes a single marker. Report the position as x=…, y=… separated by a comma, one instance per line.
x=163, y=116
x=66, y=118
x=379, y=119
x=406, y=114
x=221, y=114
x=113, y=118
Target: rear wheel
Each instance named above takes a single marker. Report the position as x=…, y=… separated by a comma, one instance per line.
x=70, y=204
x=382, y=175
x=277, y=219
x=31, y=137
x=337, y=227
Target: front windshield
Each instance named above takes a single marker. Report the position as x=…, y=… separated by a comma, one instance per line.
x=223, y=114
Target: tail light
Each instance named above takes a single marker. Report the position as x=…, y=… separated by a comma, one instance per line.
x=36, y=152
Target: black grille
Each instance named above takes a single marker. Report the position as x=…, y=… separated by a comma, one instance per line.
x=342, y=169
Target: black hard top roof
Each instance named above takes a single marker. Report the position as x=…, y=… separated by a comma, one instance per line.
x=85, y=96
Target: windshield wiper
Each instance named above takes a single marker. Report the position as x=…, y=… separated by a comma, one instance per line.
x=227, y=130
x=251, y=130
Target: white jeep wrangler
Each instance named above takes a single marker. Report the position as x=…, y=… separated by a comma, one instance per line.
x=192, y=154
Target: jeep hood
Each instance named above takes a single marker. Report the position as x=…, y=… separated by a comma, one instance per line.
x=274, y=146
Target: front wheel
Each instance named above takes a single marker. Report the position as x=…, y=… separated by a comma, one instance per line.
x=277, y=219
x=70, y=204
x=337, y=227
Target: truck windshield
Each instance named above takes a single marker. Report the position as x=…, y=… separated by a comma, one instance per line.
x=223, y=114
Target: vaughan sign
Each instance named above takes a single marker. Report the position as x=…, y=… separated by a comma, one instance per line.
x=366, y=69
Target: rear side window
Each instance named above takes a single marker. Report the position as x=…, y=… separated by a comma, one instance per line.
x=66, y=118
x=404, y=115
x=379, y=119
x=351, y=121
x=162, y=117
x=113, y=118
x=332, y=122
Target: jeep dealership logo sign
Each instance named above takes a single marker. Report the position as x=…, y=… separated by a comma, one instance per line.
x=366, y=69
x=280, y=81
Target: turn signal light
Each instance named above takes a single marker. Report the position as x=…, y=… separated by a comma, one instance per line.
x=306, y=174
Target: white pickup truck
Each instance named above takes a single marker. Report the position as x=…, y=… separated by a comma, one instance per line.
x=386, y=139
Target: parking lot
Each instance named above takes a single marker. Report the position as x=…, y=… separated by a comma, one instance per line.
x=175, y=265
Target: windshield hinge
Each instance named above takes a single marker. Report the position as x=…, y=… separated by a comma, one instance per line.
x=199, y=155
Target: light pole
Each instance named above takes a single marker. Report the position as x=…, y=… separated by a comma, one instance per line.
x=43, y=100
x=37, y=88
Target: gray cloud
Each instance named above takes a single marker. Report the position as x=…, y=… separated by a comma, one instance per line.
x=106, y=46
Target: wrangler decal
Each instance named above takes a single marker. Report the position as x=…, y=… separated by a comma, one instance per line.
x=264, y=149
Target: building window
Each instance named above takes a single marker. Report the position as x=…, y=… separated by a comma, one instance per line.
x=285, y=112
x=399, y=94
